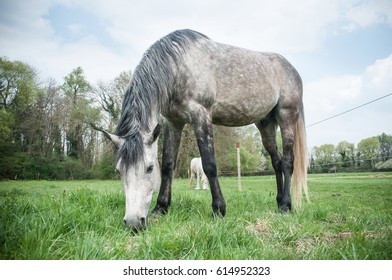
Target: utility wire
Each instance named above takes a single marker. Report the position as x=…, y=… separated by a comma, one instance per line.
x=337, y=115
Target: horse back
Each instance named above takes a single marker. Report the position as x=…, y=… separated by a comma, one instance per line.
x=237, y=86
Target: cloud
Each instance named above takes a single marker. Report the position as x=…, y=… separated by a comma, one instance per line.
x=328, y=93
x=379, y=75
x=262, y=25
x=132, y=26
x=366, y=13
x=28, y=35
x=329, y=96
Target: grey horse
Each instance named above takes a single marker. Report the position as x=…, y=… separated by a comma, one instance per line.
x=185, y=77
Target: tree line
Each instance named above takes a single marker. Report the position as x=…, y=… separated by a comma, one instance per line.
x=44, y=125
x=45, y=131
x=373, y=153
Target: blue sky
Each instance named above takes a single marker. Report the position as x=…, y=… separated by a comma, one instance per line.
x=341, y=48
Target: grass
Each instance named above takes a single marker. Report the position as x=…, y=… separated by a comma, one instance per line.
x=350, y=217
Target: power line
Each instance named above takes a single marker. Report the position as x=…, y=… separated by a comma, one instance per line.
x=345, y=112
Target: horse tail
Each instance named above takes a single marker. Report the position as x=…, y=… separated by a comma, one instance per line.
x=300, y=174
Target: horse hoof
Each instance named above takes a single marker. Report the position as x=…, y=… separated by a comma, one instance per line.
x=285, y=208
x=217, y=215
x=159, y=211
x=219, y=209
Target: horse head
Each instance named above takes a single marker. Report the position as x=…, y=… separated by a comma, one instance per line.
x=141, y=179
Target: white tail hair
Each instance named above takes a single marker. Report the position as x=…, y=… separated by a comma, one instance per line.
x=300, y=174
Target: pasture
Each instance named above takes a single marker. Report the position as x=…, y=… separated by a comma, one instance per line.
x=350, y=217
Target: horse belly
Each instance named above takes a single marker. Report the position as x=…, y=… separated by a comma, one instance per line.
x=246, y=88
x=241, y=111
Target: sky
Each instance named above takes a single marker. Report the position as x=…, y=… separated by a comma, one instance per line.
x=341, y=48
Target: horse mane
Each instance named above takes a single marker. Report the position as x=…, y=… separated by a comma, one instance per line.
x=150, y=87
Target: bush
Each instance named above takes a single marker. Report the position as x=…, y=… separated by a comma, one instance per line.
x=386, y=166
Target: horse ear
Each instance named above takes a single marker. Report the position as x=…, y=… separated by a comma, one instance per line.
x=155, y=134
x=116, y=140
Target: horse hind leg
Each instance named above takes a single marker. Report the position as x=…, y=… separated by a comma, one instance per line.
x=197, y=180
x=287, y=167
x=204, y=181
x=191, y=178
x=267, y=128
x=287, y=123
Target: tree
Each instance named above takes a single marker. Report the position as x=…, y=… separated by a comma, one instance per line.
x=18, y=88
x=225, y=152
x=251, y=146
x=385, y=146
x=75, y=88
x=110, y=95
x=324, y=157
x=81, y=139
x=18, y=82
x=369, y=149
x=346, y=153
x=6, y=125
x=188, y=150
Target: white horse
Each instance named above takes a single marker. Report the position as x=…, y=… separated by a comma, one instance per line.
x=196, y=167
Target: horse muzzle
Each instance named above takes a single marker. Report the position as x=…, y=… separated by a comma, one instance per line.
x=136, y=224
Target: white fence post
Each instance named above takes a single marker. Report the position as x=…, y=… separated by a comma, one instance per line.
x=237, y=145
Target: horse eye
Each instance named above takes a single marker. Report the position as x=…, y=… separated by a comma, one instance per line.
x=150, y=169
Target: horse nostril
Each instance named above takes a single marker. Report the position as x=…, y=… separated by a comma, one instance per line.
x=136, y=226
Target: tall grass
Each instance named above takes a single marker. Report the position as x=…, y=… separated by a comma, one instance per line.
x=349, y=218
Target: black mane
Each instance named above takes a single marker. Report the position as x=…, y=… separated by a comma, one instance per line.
x=150, y=86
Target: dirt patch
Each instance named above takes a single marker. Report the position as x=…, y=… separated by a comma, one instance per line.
x=260, y=227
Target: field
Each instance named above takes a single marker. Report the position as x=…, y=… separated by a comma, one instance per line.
x=349, y=217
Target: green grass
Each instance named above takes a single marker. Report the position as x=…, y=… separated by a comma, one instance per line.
x=350, y=217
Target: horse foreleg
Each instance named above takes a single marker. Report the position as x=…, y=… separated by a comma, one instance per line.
x=202, y=126
x=171, y=143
